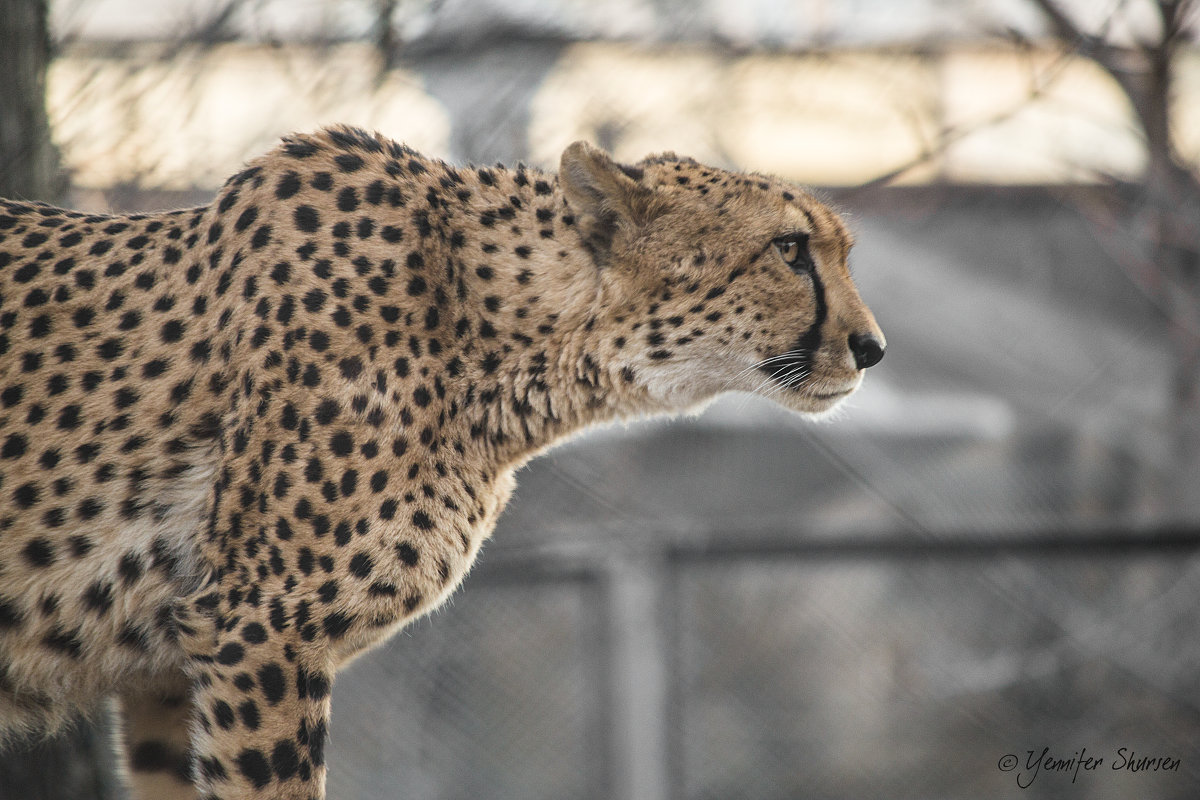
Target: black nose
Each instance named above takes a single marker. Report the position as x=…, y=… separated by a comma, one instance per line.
x=866, y=349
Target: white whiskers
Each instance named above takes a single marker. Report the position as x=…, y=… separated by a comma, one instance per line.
x=773, y=385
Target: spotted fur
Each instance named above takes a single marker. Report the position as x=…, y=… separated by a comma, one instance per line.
x=242, y=443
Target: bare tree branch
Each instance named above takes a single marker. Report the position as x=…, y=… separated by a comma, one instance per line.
x=1066, y=29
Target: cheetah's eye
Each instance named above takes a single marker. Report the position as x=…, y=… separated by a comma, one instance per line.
x=793, y=249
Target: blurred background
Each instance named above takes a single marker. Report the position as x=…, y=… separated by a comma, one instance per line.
x=995, y=551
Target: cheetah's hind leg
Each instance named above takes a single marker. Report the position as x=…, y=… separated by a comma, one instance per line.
x=158, y=755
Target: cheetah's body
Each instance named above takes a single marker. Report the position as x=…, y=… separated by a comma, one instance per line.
x=241, y=443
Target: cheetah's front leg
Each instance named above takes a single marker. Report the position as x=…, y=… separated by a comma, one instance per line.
x=155, y=739
x=262, y=715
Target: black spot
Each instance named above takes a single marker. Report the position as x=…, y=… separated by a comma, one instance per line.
x=347, y=199
x=313, y=470
x=200, y=351
x=110, y=349
x=307, y=219
x=348, y=162
x=285, y=760
x=407, y=554
x=314, y=300
x=12, y=395
x=64, y=641
x=327, y=411
x=26, y=495
x=253, y=765
x=300, y=149
x=261, y=238
x=14, y=446
x=248, y=711
x=39, y=552
x=124, y=398
x=361, y=565
x=281, y=273
x=272, y=682
x=27, y=273
x=379, y=481
x=349, y=482
x=422, y=520
x=138, y=639
x=11, y=616
x=98, y=597
x=83, y=316
x=130, y=568
x=387, y=509
x=351, y=367
x=89, y=508
x=231, y=654
x=37, y=297
x=223, y=715
x=34, y=239
x=152, y=369
x=336, y=625
x=328, y=591
x=341, y=444
x=288, y=186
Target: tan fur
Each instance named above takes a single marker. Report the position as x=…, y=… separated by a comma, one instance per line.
x=241, y=444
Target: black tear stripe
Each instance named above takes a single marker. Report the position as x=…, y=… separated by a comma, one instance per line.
x=802, y=352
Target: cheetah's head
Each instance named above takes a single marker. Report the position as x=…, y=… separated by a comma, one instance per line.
x=725, y=281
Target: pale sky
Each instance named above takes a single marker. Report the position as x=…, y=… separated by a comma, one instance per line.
x=741, y=22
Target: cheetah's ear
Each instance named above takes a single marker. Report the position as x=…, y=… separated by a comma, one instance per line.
x=605, y=196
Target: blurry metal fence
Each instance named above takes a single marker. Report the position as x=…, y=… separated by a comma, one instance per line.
x=834, y=670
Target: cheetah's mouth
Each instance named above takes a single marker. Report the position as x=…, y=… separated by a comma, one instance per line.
x=827, y=396
x=790, y=370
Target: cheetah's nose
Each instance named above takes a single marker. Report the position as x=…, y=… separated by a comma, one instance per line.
x=867, y=350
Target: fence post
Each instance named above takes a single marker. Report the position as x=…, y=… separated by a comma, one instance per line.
x=635, y=589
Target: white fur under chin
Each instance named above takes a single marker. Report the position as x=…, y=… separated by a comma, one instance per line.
x=837, y=412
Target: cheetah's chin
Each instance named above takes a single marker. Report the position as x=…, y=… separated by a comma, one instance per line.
x=819, y=402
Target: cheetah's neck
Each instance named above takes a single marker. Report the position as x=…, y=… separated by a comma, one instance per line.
x=538, y=361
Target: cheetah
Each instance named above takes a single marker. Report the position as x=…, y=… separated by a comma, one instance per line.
x=243, y=443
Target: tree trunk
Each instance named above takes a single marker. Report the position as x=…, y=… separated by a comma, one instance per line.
x=1169, y=197
x=28, y=161
x=75, y=764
